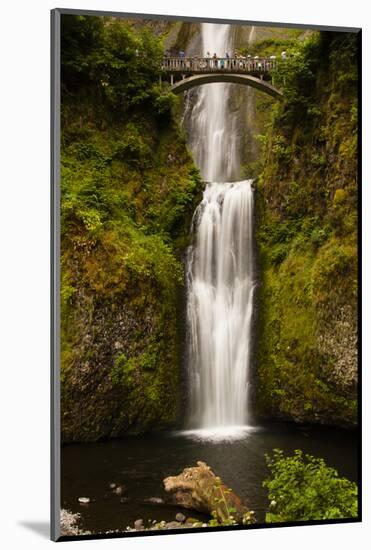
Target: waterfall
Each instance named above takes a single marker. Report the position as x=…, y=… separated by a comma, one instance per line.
x=220, y=274
x=213, y=131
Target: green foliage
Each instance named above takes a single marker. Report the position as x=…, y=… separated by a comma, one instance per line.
x=296, y=76
x=302, y=487
x=307, y=230
x=122, y=370
x=334, y=273
x=318, y=236
x=280, y=148
x=133, y=148
x=340, y=196
x=225, y=513
x=166, y=102
x=79, y=37
x=119, y=63
x=279, y=39
x=128, y=191
x=125, y=370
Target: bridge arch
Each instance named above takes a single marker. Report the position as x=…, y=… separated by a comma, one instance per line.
x=246, y=80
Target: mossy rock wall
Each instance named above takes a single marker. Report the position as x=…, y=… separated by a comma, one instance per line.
x=128, y=191
x=306, y=365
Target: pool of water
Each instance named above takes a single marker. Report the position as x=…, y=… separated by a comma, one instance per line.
x=139, y=464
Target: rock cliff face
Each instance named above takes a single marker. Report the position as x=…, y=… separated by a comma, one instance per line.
x=128, y=191
x=303, y=155
x=129, y=188
x=307, y=238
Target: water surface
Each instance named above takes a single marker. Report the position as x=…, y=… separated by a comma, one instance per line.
x=141, y=463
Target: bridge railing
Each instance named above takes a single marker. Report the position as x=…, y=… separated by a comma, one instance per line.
x=219, y=64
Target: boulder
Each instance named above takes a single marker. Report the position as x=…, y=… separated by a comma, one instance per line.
x=198, y=488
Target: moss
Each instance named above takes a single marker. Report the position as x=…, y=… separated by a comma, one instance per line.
x=129, y=187
x=307, y=238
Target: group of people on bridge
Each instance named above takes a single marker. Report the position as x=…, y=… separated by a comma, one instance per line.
x=236, y=62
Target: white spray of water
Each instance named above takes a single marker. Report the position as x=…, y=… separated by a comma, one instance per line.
x=220, y=304
x=220, y=263
x=214, y=136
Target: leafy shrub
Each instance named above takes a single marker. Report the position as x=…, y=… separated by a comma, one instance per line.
x=281, y=149
x=278, y=253
x=165, y=102
x=133, y=148
x=302, y=487
x=119, y=63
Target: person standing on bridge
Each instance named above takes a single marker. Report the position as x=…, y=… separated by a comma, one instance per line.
x=215, y=57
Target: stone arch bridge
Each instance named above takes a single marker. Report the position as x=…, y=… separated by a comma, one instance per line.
x=186, y=72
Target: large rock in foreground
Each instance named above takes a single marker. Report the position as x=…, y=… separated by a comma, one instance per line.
x=198, y=488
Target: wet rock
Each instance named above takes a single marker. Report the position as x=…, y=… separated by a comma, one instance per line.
x=154, y=500
x=138, y=524
x=112, y=485
x=69, y=524
x=84, y=500
x=180, y=517
x=191, y=521
x=198, y=488
x=119, y=490
x=173, y=525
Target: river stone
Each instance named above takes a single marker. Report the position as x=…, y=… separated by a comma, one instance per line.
x=173, y=525
x=138, y=524
x=192, y=520
x=119, y=490
x=84, y=500
x=155, y=500
x=180, y=517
